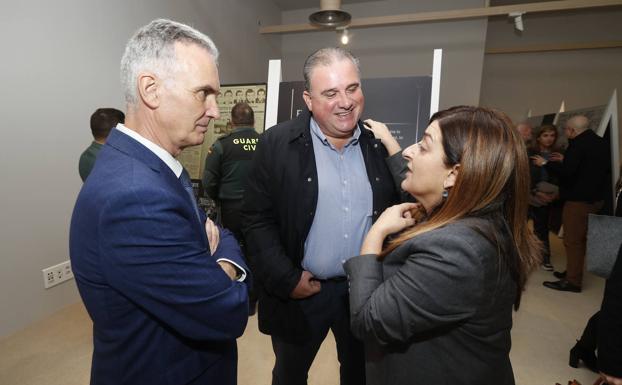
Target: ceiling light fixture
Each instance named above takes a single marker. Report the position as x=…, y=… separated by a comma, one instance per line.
x=330, y=15
x=345, y=36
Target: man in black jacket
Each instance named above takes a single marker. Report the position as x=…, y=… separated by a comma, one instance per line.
x=316, y=184
x=583, y=171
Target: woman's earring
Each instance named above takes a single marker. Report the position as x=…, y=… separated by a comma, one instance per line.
x=445, y=194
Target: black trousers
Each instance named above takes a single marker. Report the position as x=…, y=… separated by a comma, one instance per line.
x=231, y=220
x=540, y=216
x=589, y=338
x=327, y=310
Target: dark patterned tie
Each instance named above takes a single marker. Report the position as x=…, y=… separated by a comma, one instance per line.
x=185, y=181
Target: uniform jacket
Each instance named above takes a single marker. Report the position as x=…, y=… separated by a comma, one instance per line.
x=278, y=210
x=227, y=164
x=163, y=311
x=436, y=310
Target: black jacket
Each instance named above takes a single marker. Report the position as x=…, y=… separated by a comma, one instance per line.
x=279, y=206
x=585, y=169
x=610, y=324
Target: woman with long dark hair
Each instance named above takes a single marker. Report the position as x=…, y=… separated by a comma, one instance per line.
x=432, y=298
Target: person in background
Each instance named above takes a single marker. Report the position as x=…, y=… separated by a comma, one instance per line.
x=226, y=169
x=544, y=188
x=166, y=289
x=102, y=121
x=316, y=184
x=583, y=174
x=610, y=328
x=526, y=132
x=603, y=332
x=431, y=294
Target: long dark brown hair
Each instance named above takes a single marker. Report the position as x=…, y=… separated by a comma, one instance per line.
x=493, y=181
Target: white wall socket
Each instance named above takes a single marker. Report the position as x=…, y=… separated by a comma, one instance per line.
x=56, y=274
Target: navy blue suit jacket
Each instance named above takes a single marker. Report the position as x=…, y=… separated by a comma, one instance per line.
x=163, y=310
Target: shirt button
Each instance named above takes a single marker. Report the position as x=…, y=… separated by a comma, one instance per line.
x=377, y=179
x=375, y=145
x=345, y=209
x=375, y=212
x=309, y=179
x=345, y=236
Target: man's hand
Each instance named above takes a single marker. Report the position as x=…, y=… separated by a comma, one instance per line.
x=213, y=235
x=306, y=287
x=229, y=269
x=556, y=157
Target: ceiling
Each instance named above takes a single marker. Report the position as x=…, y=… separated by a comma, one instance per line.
x=513, y=2
x=288, y=5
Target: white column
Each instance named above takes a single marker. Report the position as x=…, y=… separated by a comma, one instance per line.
x=272, y=96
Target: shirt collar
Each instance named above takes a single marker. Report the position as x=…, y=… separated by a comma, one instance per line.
x=315, y=130
x=161, y=153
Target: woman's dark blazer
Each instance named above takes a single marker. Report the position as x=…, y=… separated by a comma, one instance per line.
x=436, y=310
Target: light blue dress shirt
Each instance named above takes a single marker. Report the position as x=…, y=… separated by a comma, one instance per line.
x=344, y=207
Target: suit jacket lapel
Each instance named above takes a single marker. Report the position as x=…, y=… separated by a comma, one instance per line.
x=136, y=150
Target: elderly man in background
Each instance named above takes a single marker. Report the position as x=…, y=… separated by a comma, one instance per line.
x=525, y=129
x=583, y=171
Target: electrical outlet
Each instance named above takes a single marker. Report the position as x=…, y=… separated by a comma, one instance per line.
x=56, y=274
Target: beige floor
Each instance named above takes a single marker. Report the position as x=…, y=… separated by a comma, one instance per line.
x=57, y=351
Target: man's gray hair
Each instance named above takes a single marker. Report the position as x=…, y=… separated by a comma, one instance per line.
x=152, y=48
x=579, y=123
x=326, y=57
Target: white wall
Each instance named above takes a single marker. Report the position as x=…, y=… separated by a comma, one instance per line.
x=518, y=82
x=405, y=50
x=59, y=63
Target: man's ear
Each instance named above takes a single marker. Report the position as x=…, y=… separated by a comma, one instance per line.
x=307, y=98
x=452, y=176
x=148, y=87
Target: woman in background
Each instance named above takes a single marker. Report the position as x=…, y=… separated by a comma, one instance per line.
x=544, y=188
x=433, y=300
